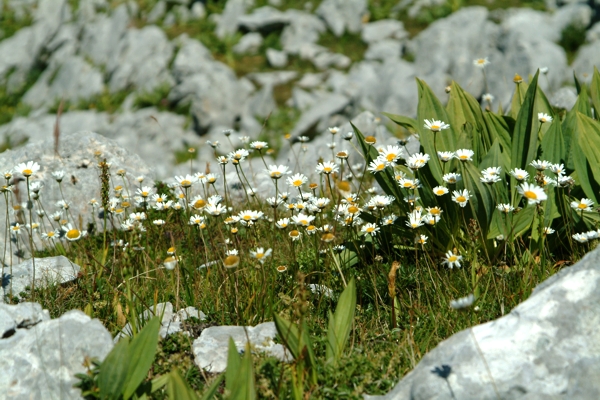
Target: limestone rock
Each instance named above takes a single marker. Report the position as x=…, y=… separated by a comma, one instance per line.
x=20, y=316
x=228, y=22
x=546, y=348
x=210, y=349
x=141, y=60
x=384, y=49
x=249, y=43
x=78, y=160
x=327, y=106
x=588, y=56
x=170, y=322
x=564, y=98
x=191, y=58
x=383, y=29
x=73, y=81
x=40, y=361
x=304, y=28
x=343, y=15
x=264, y=19
x=276, y=58
x=48, y=271
x=101, y=37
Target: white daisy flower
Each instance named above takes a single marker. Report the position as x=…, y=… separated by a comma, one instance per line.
x=461, y=197
x=377, y=165
x=541, y=165
x=27, y=169
x=542, y=117
x=261, y=254
x=417, y=160
x=327, y=167
x=582, y=205
x=277, y=171
x=445, y=156
x=414, y=219
x=519, y=174
x=391, y=154
x=369, y=229
x=440, y=190
x=435, y=125
x=452, y=260
x=297, y=180
x=534, y=194
x=452, y=177
x=465, y=154
x=481, y=62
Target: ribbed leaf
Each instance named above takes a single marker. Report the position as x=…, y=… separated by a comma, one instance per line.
x=113, y=371
x=233, y=366
x=213, y=389
x=429, y=107
x=553, y=144
x=405, y=122
x=587, y=155
x=518, y=98
x=141, y=350
x=525, y=140
x=298, y=343
x=340, y=323
x=595, y=92
x=244, y=387
x=178, y=388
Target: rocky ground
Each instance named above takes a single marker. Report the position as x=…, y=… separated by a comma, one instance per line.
x=162, y=76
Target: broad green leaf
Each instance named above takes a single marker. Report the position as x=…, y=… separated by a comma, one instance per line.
x=577, y=84
x=595, y=92
x=178, y=388
x=233, y=365
x=525, y=139
x=297, y=342
x=518, y=98
x=405, y=122
x=142, y=349
x=481, y=201
x=158, y=383
x=113, y=371
x=340, y=323
x=430, y=107
x=466, y=117
x=212, y=390
x=553, y=144
x=587, y=135
x=523, y=221
x=501, y=129
x=569, y=126
x=244, y=387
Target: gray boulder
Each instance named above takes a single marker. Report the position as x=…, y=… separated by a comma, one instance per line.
x=78, y=158
x=100, y=38
x=319, y=113
x=73, y=81
x=170, y=321
x=157, y=13
x=383, y=29
x=191, y=58
x=304, y=28
x=210, y=349
x=264, y=19
x=587, y=58
x=343, y=15
x=249, y=43
x=227, y=23
x=546, y=348
x=141, y=59
x=272, y=78
x=384, y=49
x=565, y=97
x=39, y=357
x=48, y=271
x=276, y=58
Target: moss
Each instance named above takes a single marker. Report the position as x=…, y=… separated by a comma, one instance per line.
x=572, y=38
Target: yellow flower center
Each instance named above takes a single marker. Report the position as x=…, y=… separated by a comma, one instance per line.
x=327, y=169
x=461, y=199
x=73, y=234
x=259, y=255
x=327, y=237
x=144, y=194
x=435, y=127
x=390, y=157
x=186, y=183
x=370, y=140
x=530, y=195
x=370, y=229
x=27, y=172
x=199, y=203
x=380, y=167
x=231, y=261
x=452, y=258
x=297, y=182
x=247, y=217
x=352, y=209
x=440, y=191
x=294, y=233
x=581, y=205
x=281, y=268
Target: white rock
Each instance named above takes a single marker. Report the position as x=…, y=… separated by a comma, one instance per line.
x=210, y=349
x=343, y=15
x=276, y=58
x=249, y=43
x=383, y=29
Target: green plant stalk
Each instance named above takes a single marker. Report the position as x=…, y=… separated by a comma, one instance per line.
x=31, y=240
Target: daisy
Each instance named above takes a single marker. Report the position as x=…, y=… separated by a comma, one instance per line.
x=281, y=268
x=391, y=154
x=541, y=165
x=519, y=174
x=27, y=169
x=215, y=209
x=258, y=145
x=491, y=175
x=303, y=219
x=238, y=155
x=487, y=97
x=461, y=197
x=196, y=220
x=581, y=237
x=348, y=135
x=465, y=154
x=283, y=223
x=342, y=155
x=463, y=302
x=421, y=239
x=436, y=125
x=533, y=193
x=186, y=181
x=430, y=219
x=137, y=217
x=277, y=171
x=558, y=169
x=505, y=208
x=388, y=220
x=440, y=190
x=311, y=229
x=261, y=254
x=144, y=191
x=377, y=165
x=409, y=183
x=297, y=180
x=58, y=175
x=481, y=62
x=36, y=186
x=452, y=260
x=417, y=160
x=334, y=130
x=232, y=259
x=51, y=235
x=414, y=219
x=382, y=202
x=452, y=177
x=247, y=217
x=582, y=205
x=321, y=202
x=370, y=229
x=327, y=167
x=445, y=156
x=548, y=230
x=159, y=222
x=295, y=235
x=72, y=234
x=544, y=118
